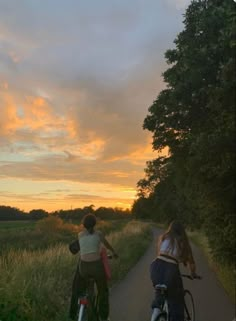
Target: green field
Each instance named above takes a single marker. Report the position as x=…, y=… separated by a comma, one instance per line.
x=35, y=282
x=27, y=235
x=9, y=225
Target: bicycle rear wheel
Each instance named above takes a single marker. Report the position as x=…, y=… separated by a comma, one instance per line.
x=162, y=317
x=87, y=313
x=189, y=310
x=83, y=313
x=93, y=305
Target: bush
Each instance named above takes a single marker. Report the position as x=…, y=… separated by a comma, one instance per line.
x=53, y=225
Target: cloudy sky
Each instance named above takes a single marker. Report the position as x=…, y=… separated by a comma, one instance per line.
x=76, y=81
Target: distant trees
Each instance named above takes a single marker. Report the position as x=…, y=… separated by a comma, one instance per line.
x=101, y=212
x=195, y=118
x=8, y=213
x=37, y=214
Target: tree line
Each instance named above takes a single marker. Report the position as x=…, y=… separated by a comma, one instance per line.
x=8, y=213
x=194, y=119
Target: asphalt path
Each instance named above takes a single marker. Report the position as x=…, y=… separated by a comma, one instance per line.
x=130, y=299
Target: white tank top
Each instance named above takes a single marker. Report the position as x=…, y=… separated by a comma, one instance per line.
x=89, y=244
x=166, y=248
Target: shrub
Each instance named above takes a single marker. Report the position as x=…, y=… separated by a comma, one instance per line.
x=53, y=225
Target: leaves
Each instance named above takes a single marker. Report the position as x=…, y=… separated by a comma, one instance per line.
x=195, y=118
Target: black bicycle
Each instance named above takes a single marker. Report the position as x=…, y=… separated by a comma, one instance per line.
x=189, y=310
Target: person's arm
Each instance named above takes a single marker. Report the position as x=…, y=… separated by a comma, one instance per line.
x=158, y=244
x=190, y=262
x=107, y=244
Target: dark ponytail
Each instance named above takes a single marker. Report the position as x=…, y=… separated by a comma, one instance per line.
x=89, y=221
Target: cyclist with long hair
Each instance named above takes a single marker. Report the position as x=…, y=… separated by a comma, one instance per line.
x=173, y=248
x=90, y=265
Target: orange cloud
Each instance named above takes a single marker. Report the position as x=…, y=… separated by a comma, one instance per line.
x=9, y=120
x=4, y=85
x=33, y=113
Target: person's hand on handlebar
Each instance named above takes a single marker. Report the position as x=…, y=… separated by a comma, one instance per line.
x=115, y=255
x=194, y=275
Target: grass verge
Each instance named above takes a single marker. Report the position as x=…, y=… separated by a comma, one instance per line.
x=36, y=285
x=225, y=273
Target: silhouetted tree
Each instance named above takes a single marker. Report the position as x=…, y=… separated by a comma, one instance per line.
x=37, y=214
x=195, y=118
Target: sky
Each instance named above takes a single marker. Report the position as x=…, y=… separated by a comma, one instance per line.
x=76, y=81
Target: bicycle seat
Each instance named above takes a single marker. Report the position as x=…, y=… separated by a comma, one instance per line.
x=161, y=287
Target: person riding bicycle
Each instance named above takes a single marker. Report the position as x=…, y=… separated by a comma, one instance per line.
x=173, y=248
x=89, y=243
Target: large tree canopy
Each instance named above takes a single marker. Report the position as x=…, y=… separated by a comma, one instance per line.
x=195, y=118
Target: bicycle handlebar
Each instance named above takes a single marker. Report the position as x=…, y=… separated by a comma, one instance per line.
x=188, y=276
x=110, y=257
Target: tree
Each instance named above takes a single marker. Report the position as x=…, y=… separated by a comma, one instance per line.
x=8, y=213
x=195, y=118
x=37, y=214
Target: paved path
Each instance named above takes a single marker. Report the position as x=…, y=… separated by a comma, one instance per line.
x=130, y=299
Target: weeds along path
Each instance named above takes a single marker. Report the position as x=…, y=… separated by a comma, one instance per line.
x=131, y=298
x=35, y=284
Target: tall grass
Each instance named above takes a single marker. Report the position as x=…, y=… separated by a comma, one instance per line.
x=225, y=272
x=36, y=285
x=33, y=284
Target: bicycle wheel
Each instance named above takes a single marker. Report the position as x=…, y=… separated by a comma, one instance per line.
x=189, y=311
x=83, y=313
x=162, y=317
x=92, y=309
x=92, y=313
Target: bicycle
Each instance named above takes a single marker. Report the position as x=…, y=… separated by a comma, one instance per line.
x=189, y=310
x=88, y=303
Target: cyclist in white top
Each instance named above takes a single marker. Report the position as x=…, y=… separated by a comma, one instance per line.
x=173, y=248
x=90, y=265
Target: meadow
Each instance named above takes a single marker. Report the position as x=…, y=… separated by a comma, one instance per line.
x=12, y=225
x=36, y=279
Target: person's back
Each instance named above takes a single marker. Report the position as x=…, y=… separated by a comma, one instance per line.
x=90, y=245
x=90, y=242
x=173, y=248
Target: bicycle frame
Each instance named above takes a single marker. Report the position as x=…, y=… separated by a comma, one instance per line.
x=164, y=314
x=82, y=308
x=88, y=304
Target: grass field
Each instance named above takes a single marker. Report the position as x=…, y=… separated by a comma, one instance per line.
x=32, y=236
x=11, y=225
x=35, y=285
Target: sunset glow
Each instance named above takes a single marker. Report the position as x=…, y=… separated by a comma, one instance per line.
x=75, y=87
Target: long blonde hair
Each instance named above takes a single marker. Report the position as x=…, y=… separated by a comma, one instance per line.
x=176, y=234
